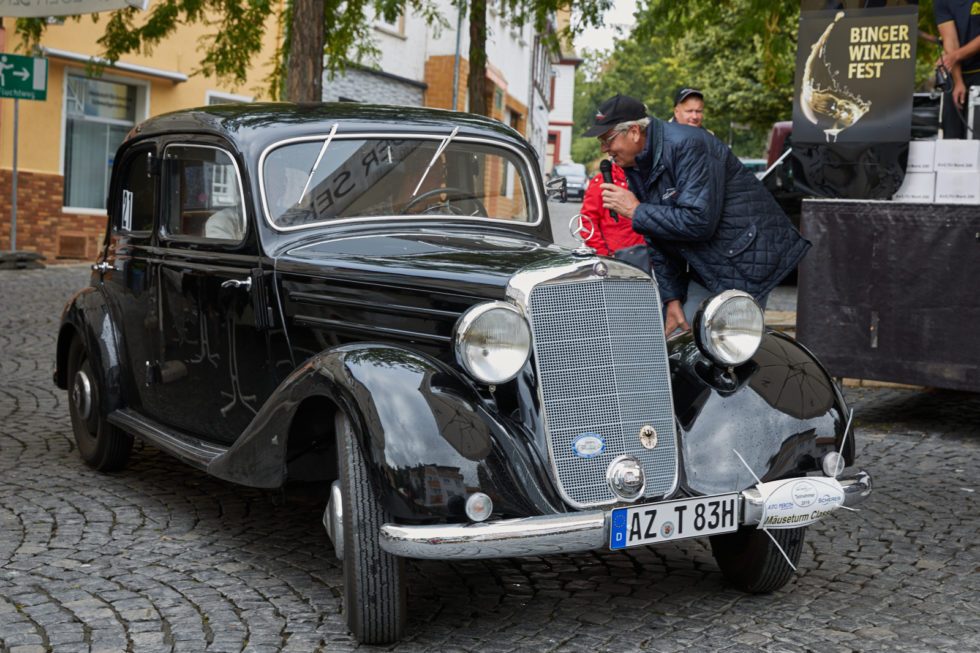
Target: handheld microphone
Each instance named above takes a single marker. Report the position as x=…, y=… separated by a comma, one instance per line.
x=605, y=167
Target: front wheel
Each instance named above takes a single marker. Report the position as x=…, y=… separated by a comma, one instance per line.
x=750, y=560
x=374, y=586
x=102, y=446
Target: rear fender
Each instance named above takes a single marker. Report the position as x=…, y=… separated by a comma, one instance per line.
x=87, y=317
x=780, y=413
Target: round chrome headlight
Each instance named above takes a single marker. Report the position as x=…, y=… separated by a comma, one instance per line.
x=492, y=342
x=729, y=327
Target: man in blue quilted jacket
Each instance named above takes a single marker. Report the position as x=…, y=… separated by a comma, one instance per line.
x=709, y=223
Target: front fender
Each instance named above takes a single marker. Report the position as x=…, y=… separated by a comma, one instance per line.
x=429, y=439
x=780, y=413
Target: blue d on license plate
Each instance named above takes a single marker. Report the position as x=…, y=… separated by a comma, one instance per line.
x=673, y=520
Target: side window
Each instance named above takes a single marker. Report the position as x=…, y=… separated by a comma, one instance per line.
x=203, y=193
x=135, y=203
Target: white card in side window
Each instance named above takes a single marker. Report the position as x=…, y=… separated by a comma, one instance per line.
x=127, y=210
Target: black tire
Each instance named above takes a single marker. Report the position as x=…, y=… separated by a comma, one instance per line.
x=751, y=562
x=101, y=445
x=374, y=585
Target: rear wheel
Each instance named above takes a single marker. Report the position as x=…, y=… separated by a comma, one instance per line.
x=374, y=587
x=751, y=561
x=102, y=446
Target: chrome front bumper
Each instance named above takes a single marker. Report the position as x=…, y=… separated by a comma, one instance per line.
x=562, y=533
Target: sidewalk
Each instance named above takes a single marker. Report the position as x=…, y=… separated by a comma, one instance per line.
x=781, y=309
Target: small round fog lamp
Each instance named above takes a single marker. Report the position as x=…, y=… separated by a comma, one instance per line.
x=478, y=506
x=832, y=464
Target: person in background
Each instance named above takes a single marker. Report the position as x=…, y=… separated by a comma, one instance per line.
x=709, y=224
x=688, y=107
x=959, y=27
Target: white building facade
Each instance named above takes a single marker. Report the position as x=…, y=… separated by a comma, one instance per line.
x=422, y=65
x=561, y=117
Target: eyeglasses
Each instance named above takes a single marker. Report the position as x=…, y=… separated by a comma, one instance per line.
x=605, y=141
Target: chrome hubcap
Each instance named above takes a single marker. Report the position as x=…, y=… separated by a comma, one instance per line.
x=81, y=395
x=333, y=520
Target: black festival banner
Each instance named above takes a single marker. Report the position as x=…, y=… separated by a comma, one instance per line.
x=852, y=108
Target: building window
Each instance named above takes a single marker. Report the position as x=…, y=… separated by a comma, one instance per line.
x=217, y=97
x=394, y=28
x=98, y=115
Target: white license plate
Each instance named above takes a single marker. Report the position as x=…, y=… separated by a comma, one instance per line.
x=673, y=520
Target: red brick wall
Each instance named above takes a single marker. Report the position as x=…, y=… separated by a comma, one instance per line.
x=439, y=77
x=42, y=226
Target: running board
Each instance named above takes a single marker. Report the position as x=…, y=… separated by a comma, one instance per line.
x=189, y=449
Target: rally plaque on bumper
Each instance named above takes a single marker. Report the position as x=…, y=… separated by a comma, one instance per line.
x=673, y=520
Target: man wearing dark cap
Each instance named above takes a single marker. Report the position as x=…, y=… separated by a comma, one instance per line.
x=709, y=224
x=689, y=107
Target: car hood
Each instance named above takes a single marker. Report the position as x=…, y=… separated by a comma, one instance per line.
x=480, y=265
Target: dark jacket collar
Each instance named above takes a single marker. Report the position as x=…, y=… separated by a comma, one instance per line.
x=648, y=159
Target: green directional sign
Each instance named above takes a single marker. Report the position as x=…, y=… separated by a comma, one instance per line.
x=23, y=78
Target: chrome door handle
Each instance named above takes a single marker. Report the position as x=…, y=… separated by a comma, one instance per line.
x=238, y=283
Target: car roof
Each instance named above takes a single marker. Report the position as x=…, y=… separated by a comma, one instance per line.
x=258, y=124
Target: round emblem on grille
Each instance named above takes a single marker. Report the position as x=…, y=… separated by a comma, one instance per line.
x=626, y=478
x=588, y=445
x=648, y=436
x=600, y=269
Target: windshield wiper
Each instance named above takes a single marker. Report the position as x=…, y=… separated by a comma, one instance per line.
x=446, y=141
x=319, y=157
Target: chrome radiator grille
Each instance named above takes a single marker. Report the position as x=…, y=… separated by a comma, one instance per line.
x=602, y=367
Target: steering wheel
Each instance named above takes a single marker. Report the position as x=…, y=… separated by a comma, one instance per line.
x=452, y=194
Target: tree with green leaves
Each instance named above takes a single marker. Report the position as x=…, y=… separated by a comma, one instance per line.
x=586, y=13
x=240, y=27
x=741, y=53
x=318, y=35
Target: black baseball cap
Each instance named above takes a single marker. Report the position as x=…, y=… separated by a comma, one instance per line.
x=617, y=109
x=685, y=93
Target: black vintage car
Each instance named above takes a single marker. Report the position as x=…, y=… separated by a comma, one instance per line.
x=369, y=297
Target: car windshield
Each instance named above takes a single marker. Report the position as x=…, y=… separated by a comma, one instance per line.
x=311, y=182
x=570, y=169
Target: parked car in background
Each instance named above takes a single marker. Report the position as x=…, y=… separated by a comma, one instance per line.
x=369, y=298
x=755, y=166
x=576, y=178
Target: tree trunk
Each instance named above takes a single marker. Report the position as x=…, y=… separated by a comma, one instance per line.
x=304, y=71
x=476, y=83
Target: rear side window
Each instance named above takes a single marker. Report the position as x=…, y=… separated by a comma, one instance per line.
x=203, y=193
x=137, y=195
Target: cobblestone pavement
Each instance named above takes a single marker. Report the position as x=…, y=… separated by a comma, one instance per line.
x=160, y=557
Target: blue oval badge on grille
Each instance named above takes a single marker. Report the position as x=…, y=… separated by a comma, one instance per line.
x=588, y=445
